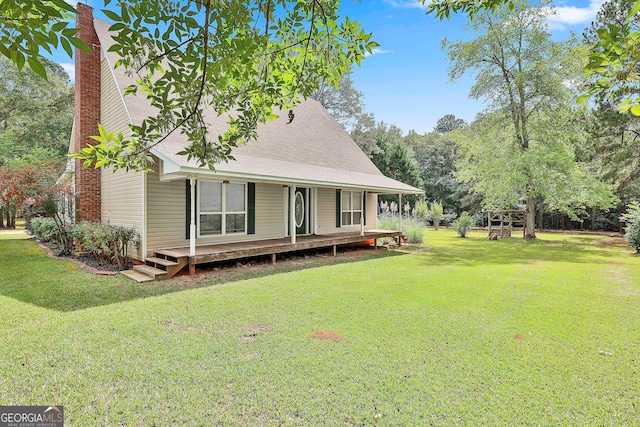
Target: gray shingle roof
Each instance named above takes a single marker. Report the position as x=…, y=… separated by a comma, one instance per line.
x=313, y=149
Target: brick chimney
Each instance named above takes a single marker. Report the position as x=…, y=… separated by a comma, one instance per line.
x=87, y=115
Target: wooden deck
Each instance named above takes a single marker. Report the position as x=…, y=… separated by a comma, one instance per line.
x=227, y=251
x=168, y=262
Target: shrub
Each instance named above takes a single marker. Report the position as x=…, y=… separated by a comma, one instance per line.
x=108, y=243
x=44, y=229
x=464, y=224
x=387, y=221
x=449, y=218
x=414, y=230
x=421, y=212
x=436, y=214
x=632, y=229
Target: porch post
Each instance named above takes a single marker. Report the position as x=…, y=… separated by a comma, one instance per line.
x=400, y=212
x=292, y=213
x=192, y=227
x=362, y=214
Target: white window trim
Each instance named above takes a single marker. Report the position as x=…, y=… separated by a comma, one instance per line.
x=224, y=212
x=351, y=211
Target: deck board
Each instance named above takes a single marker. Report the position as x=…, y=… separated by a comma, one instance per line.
x=228, y=251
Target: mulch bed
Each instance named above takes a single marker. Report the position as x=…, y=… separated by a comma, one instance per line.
x=89, y=263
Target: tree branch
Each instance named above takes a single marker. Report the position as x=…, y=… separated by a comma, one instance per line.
x=163, y=54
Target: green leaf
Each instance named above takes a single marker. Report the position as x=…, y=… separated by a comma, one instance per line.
x=67, y=47
x=59, y=26
x=37, y=67
x=79, y=44
x=582, y=98
x=633, y=11
x=111, y=15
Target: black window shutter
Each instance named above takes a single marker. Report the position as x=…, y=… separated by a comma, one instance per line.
x=364, y=206
x=251, y=208
x=188, y=215
x=338, y=208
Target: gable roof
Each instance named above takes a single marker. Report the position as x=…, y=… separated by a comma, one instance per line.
x=313, y=149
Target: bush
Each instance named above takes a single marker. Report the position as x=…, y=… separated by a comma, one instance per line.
x=436, y=214
x=108, y=243
x=464, y=224
x=632, y=229
x=421, y=212
x=449, y=218
x=44, y=229
x=414, y=231
x=387, y=221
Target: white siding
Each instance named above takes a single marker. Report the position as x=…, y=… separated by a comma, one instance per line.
x=327, y=212
x=167, y=222
x=166, y=212
x=372, y=211
x=122, y=192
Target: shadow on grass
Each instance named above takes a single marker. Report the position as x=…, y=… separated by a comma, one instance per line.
x=256, y=267
x=475, y=251
x=27, y=274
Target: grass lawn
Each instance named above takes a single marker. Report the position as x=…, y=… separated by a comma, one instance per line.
x=13, y=234
x=457, y=332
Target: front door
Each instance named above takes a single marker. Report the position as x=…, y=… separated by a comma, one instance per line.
x=301, y=210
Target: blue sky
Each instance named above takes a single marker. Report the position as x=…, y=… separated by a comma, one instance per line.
x=405, y=82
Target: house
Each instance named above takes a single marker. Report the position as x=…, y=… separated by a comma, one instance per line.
x=299, y=185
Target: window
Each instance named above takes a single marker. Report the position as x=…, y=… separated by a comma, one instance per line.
x=351, y=207
x=223, y=208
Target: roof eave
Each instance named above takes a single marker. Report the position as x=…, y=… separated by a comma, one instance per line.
x=172, y=171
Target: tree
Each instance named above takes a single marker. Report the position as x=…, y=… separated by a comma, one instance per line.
x=632, y=228
x=401, y=166
x=366, y=134
x=614, y=58
x=449, y=123
x=436, y=213
x=29, y=26
x=344, y=103
x=442, y=8
x=35, y=115
x=239, y=59
x=547, y=173
x=20, y=181
x=615, y=148
x=522, y=149
x=248, y=57
x=435, y=156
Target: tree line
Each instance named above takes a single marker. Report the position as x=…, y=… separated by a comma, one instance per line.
x=36, y=117
x=534, y=147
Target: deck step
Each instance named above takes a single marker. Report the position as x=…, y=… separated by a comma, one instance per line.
x=170, y=253
x=161, y=261
x=149, y=271
x=137, y=276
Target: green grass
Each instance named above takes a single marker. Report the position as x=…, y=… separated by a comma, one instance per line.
x=14, y=234
x=458, y=332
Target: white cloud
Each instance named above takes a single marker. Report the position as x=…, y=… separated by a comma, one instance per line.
x=70, y=69
x=573, y=15
x=406, y=4
x=376, y=51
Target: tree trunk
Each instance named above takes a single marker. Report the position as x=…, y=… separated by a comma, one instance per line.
x=7, y=217
x=540, y=218
x=530, y=218
x=593, y=218
x=1, y=218
x=11, y=221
